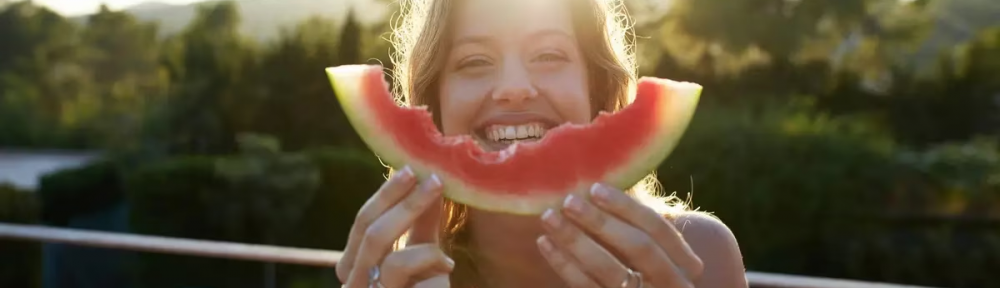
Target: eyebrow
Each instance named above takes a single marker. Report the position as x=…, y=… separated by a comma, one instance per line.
x=472, y=40
x=480, y=39
x=549, y=32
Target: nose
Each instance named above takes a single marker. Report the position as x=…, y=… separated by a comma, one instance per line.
x=514, y=86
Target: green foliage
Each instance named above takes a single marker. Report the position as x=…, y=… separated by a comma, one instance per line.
x=959, y=104
x=297, y=104
x=16, y=205
x=123, y=59
x=66, y=87
x=779, y=181
x=218, y=199
x=266, y=189
x=167, y=198
x=210, y=67
x=964, y=178
x=39, y=73
x=21, y=265
x=822, y=195
x=67, y=193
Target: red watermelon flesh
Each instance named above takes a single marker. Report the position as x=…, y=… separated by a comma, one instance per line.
x=527, y=177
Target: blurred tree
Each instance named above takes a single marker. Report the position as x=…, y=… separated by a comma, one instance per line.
x=297, y=104
x=778, y=27
x=39, y=74
x=961, y=103
x=958, y=102
x=208, y=65
x=879, y=45
x=123, y=58
x=741, y=33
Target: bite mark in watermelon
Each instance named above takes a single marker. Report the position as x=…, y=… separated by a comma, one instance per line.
x=618, y=148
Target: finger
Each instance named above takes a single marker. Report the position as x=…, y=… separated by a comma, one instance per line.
x=427, y=227
x=596, y=261
x=381, y=234
x=389, y=194
x=634, y=245
x=565, y=265
x=660, y=229
x=414, y=264
x=440, y=281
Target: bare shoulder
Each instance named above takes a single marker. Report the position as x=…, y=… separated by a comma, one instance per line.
x=717, y=247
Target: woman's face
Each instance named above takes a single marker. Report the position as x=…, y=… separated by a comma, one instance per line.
x=514, y=70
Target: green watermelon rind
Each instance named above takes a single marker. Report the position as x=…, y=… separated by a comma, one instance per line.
x=677, y=117
x=348, y=84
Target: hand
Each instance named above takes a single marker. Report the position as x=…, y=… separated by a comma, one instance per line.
x=400, y=204
x=636, y=238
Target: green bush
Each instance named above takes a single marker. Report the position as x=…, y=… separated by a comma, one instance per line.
x=349, y=178
x=828, y=196
x=21, y=265
x=783, y=184
x=196, y=197
x=167, y=199
x=70, y=192
x=962, y=179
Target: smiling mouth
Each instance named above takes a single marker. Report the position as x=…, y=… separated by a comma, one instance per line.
x=500, y=136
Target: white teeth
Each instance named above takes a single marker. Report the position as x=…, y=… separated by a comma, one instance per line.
x=516, y=132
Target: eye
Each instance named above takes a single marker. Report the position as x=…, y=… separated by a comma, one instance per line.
x=550, y=57
x=473, y=62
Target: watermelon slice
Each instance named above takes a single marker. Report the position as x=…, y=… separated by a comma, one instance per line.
x=618, y=148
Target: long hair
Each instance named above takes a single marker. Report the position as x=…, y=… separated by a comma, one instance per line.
x=420, y=40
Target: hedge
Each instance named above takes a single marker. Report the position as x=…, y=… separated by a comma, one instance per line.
x=825, y=196
x=70, y=192
x=21, y=265
x=180, y=198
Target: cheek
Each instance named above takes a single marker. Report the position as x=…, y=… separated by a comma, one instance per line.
x=460, y=103
x=569, y=93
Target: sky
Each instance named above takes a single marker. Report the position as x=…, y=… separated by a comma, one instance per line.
x=83, y=7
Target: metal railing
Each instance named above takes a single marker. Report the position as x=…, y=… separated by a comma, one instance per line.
x=314, y=257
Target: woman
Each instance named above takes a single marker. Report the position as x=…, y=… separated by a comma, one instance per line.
x=482, y=66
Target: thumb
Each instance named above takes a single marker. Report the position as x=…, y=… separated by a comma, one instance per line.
x=427, y=227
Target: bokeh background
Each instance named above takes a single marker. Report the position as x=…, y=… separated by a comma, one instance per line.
x=838, y=138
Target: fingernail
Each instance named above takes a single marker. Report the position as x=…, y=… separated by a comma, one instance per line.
x=599, y=192
x=432, y=185
x=573, y=204
x=435, y=182
x=550, y=218
x=450, y=262
x=406, y=174
x=544, y=243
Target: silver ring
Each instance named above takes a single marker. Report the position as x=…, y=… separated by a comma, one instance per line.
x=638, y=278
x=632, y=274
x=628, y=278
x=375, y=278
